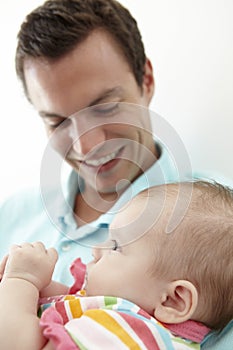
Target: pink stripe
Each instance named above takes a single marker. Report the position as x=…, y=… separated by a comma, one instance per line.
x=191, y=330
x=144, y=314
x=142, y=331
x=60, y=307
x=53, y=329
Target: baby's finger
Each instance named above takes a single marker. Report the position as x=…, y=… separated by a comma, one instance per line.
x=52, y=253
x=39, y=245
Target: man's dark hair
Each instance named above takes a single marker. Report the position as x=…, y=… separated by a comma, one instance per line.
x=58, y=26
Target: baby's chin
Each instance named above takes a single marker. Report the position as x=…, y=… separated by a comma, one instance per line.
x=92, y=291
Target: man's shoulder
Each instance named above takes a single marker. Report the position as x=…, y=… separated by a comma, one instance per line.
x=24, y=218
x=29, y=199
x=26, y=205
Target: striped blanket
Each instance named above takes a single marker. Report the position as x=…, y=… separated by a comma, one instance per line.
x=108, y=323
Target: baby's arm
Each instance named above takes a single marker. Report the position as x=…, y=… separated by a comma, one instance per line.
x=28, y=269
x=54, y=288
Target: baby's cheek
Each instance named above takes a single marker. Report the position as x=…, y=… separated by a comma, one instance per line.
x=94, y=282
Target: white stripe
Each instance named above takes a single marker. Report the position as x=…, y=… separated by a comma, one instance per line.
x=127, y=328
x=68, y=310
x=84, y=328
x=87, y=303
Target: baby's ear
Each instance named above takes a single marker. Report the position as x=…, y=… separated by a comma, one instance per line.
x=178, y=302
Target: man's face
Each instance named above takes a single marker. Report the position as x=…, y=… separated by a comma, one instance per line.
x=94, y=73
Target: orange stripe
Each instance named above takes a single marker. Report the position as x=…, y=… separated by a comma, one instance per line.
x=75, y=308
x=113, y=326
x=69, y=297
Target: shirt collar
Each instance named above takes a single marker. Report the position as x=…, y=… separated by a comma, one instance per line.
x=162, y=171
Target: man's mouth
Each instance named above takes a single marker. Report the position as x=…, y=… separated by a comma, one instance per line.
x=103, y=160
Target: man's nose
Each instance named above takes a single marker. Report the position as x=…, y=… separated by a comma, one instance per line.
x=86, y=137
x=87, y=142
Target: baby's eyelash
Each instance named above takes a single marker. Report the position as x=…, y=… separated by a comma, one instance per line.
x=115, y=245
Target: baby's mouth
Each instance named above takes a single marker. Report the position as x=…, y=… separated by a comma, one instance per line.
x=85, y=281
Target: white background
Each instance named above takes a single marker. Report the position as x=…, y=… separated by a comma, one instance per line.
x=190, y=43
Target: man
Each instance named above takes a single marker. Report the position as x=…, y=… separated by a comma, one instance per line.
x=76, y=58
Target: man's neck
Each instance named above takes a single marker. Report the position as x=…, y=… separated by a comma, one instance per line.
x=86, y=210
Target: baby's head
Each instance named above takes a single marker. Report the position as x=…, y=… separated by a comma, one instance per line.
x=170, y=251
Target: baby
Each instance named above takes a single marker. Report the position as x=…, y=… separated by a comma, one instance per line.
x=162, y=280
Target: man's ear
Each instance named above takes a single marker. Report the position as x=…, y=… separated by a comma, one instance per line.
x=148, y=84
x=178, y=303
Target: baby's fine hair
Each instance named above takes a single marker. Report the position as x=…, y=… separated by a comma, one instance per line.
x=200, y=249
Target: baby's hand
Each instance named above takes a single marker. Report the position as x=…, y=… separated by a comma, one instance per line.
x=31, y=262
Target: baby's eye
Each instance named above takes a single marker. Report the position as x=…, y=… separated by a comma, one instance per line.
x=115, y=245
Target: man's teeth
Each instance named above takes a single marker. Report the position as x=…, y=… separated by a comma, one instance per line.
x=102, y=160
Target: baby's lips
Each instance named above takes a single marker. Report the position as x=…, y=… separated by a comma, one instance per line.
x=78, y=271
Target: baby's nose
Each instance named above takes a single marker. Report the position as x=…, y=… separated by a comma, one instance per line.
x=97, y=253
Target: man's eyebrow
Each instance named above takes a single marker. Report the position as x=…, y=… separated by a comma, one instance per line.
x=114, y=92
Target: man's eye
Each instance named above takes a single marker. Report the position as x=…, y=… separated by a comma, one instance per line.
x=54, y=126
x=59, y=123
x=108, y=109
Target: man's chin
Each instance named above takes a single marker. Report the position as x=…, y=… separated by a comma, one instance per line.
x=103, y=189
x=113, y=190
